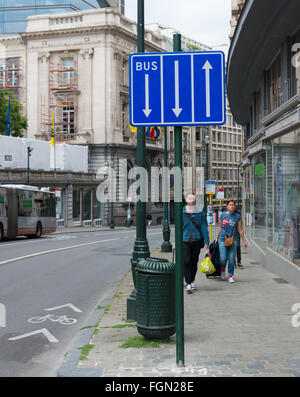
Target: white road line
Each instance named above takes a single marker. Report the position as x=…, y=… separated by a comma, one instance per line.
x=51, y=338
x=55, y=250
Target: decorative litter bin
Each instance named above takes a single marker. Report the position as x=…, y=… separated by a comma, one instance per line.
x=155, y=300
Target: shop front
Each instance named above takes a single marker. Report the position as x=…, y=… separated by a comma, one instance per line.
x=272, y=196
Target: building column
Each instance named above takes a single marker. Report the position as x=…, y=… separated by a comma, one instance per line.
x=69, y=206
x=85, y=61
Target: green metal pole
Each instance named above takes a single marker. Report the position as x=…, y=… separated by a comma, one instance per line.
x=206, y=178
x=179, y=236
x=112, y=220
x=141, y=246
x=166, y=245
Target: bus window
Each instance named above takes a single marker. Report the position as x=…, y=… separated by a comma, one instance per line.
x=3, y=203
x=25, y=203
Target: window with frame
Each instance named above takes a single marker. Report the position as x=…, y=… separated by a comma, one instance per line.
x=69, y=120
x=198, y=157
x=68, y=72
x=295, y=64
x=124, y=117
x=274, y=94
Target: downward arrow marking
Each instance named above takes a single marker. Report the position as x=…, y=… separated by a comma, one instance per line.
x=147, y=111
x=177, y=110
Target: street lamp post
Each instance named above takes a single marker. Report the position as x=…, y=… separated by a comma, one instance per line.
x=112, y=216
x=128, y=219
x=29, y=150
x=141, y=246
x=166, y=245
x=206, y=140
x=178, y=236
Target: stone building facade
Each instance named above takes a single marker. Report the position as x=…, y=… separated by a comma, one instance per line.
x=74, y=69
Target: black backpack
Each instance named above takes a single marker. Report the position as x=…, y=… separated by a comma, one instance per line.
x=197, y=227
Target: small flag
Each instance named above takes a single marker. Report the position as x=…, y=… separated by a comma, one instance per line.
x=153, y=132
x=53, y=131
x=8, y=120
x=133, y=129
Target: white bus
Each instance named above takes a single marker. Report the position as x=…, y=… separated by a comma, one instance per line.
x=26, y=211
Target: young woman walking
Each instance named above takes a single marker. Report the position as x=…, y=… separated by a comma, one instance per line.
x=230, y=225
x=195, y=235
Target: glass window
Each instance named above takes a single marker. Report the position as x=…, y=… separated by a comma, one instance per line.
x=274, y=85
x=213, y=155
x=198, y=157
x=295, y=65
x=87, y=203
x=60, y=204
x=286, y=164
x=76, y=205
x=15, y=14
x=97, y=207
x=259, y=234
x=3, y=203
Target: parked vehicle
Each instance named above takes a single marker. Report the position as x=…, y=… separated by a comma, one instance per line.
x=26, y=211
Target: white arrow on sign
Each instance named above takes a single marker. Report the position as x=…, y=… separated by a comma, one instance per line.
x=70, y=305
x=51, y=338
x=2, y=316
x=147, y=111
x=207, y=67
x=177, y=110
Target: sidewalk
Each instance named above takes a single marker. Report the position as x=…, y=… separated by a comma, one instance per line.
x=82, y=229
x=241, y=329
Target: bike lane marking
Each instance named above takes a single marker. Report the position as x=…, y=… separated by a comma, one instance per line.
x=51, y=338
x=54, y=250
x=63, y=320
x=70, y=305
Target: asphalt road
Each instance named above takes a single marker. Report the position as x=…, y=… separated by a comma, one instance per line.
x=36, y=275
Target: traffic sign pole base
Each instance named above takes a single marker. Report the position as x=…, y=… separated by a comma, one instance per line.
x=131, y=306
x=166, y=246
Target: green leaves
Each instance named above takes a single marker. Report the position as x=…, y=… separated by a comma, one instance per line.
x=18, y=122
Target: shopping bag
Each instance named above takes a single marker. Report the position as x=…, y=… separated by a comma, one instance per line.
x=207, y=266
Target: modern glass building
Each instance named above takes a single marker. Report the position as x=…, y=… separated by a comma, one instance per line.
x=14, y=13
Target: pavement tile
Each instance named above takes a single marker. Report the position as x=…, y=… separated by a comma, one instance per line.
x=228, y=332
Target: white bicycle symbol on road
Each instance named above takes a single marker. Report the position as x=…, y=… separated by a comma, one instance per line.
x=64, y=320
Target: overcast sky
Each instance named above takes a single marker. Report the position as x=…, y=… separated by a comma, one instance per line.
x=207, y=21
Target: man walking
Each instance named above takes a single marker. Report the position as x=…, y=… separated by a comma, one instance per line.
x=195, y=235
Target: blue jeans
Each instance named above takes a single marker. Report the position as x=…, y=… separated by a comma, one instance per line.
x=228, y=254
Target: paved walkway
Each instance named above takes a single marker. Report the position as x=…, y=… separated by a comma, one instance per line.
x=242, y=330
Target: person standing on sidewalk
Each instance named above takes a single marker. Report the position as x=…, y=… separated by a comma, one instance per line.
x=238, y=264
x=230, y=224
x=195, y=235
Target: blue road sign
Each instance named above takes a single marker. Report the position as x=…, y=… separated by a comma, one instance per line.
x=177, y=88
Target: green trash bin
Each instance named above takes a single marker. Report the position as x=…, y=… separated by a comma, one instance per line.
x=155, y=299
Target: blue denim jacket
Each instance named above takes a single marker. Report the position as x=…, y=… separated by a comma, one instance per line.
x=189, y=229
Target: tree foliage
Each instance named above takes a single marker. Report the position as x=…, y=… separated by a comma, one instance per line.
x=18, y=122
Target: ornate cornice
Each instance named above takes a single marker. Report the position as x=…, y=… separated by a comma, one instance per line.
x=78, y=31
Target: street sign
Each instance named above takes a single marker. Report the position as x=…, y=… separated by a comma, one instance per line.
x=220, y=194
x=210, y=209
x=178, y=88
x=210, y=187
